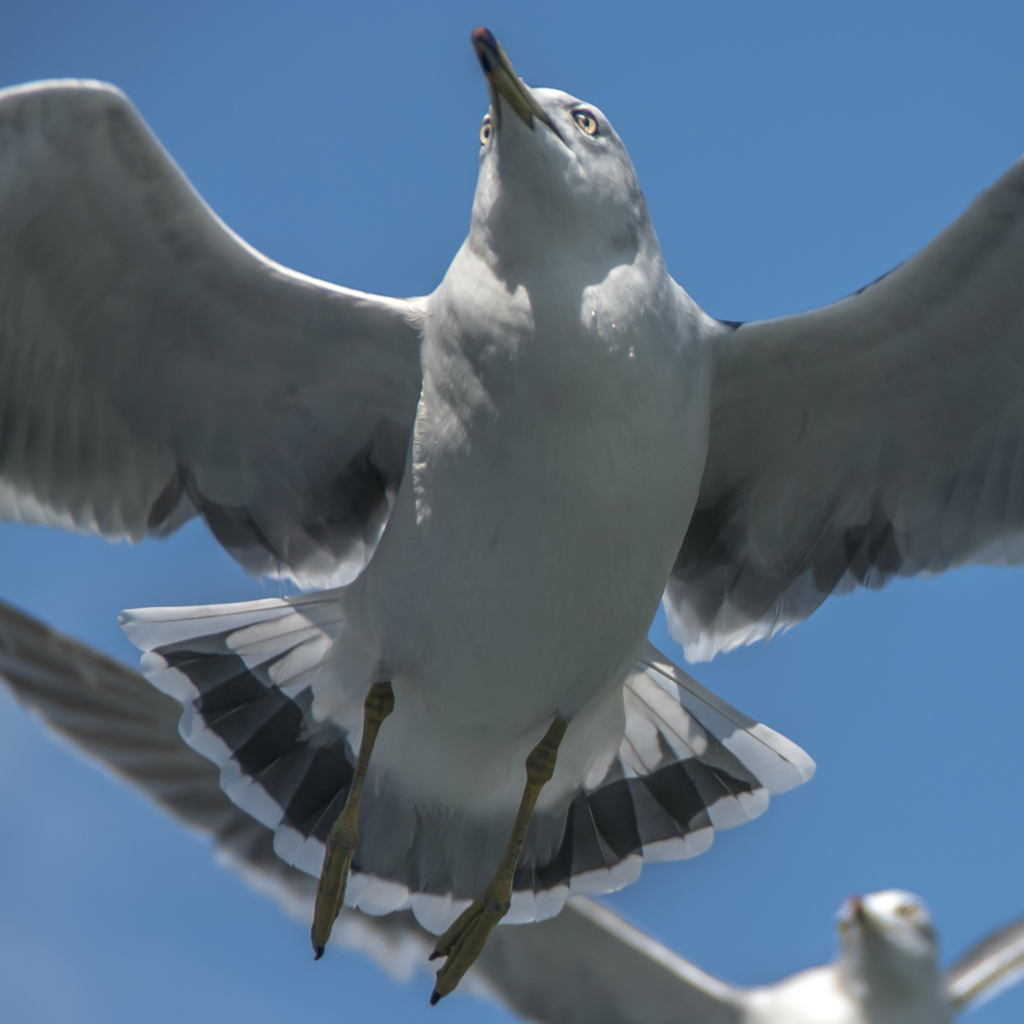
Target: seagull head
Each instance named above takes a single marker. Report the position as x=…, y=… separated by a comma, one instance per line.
x=888, y=949
x=556, y=183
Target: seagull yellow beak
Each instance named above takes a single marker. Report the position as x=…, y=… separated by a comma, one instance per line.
x=503, y=80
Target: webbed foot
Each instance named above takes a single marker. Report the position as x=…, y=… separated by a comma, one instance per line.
x=464, y=941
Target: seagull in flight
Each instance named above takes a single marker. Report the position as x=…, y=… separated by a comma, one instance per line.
x=496, y=484
x=586, y=966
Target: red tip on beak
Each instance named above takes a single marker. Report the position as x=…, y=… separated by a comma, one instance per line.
x=482, y=36
x=486, y=48
x=503, y=81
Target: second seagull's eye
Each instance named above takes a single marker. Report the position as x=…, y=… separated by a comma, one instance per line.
x=485, y=131
x=586, y=120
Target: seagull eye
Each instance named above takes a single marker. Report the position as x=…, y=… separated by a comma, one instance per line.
x=907, y=910
x=585, y=120
x=485, y=131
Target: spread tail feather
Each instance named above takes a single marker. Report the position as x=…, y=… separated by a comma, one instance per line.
x=250, y=675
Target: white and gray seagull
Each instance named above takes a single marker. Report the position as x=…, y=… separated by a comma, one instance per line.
x=586, y=966
x=498, y=482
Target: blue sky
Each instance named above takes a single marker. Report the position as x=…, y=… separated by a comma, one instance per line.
x=789, y=154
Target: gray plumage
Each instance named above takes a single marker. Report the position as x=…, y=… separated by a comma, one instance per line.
x=880, y=436
x=129, y=417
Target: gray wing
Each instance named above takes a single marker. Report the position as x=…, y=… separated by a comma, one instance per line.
x=879, y=436
x=153, y=366
x=111, y=714
x=990, y=967
x=585, y=965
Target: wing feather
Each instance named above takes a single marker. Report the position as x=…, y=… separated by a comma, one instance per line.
x=588, y=966
x=877, y=437
x=988, y=968
x=154, y=366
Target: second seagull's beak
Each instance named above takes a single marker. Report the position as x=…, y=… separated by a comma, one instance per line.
x=502, y=80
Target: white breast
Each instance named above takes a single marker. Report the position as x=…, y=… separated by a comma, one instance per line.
x=555, y=465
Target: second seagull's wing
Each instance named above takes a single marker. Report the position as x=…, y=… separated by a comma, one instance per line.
x=879, y=436
x=587, y=966
x=153, y=366
x=990, y=967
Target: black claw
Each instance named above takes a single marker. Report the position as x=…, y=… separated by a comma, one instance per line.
x=434, y=997
x=434, y=955
x=318, y=951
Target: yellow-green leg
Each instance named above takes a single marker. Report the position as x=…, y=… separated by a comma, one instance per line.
x=341, y=840
x=464, y=941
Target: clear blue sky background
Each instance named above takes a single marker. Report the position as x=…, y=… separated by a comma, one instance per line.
x=789, y=153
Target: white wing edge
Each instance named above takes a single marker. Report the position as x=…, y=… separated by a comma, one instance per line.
x=412, y=309
x=795, y=765
x=988, y=969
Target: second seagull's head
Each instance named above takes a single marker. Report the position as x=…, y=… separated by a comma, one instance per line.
x=889, y=955
x=555, y=180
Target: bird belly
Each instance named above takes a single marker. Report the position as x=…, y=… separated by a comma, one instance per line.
x=521, y=569
x=546, y=585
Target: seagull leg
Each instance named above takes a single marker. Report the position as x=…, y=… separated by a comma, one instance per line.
x=341, y=840
x=464, y=941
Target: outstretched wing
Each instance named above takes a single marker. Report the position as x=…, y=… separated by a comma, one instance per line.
x=879, y=436
x=112, y=715
x=990, y=967
x=588, y=966
x=585, y=965
x=153, y=366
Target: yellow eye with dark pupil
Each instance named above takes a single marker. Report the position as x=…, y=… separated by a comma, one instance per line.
x=485, y=131
x=586, y=121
